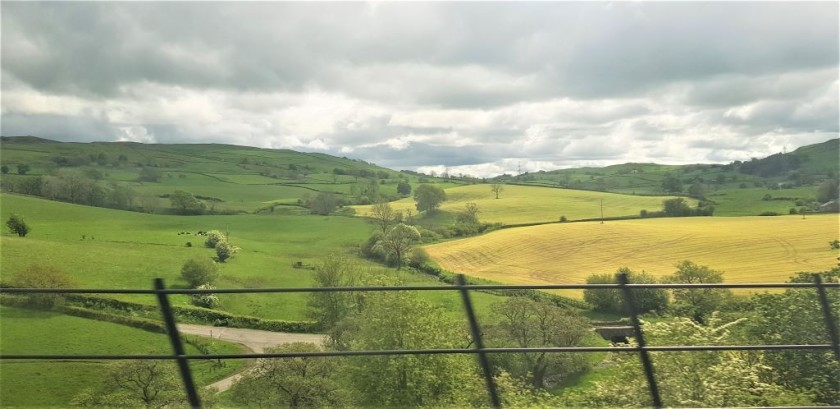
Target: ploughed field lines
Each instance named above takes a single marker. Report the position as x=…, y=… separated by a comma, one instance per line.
x=747, y=249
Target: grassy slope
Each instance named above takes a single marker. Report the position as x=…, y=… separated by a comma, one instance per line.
x=747, y=249
x=51, y=383
x=127, y=250
x=530, y=204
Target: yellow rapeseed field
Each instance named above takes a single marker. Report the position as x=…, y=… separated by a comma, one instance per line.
x=530, y=204
x=747, y=249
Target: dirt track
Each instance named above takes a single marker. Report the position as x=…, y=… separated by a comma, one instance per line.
x=254, y=340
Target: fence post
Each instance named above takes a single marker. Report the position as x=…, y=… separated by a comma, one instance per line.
x=830, y=325
x=479, y=344
x=640, y=339
x=177, y=346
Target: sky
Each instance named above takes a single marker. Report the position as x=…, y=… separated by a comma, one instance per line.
x=480, y=88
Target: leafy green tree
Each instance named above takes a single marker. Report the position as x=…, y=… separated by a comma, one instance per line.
x=17, y=225
x=612, y=300
x=828, y=191
x=4, y=169
x=530, y=324
x=469, y=215
x=23, y=169
x=323, y=204
x=225, y=250
x=428, y=198
x=148, y=174
x=383, y=214
x=676, y=207
x=198, y=271
x=398, y=241
x=404, y=188
x=697, y=303
x=328, y=308
x=795, y=317
x=40, y=276
x=213, y=237
x=672, y=184
x=691, y=378
x=398, y=320
x=136, y=384
x=186, y=202
x=697, y=190
x=302, y=382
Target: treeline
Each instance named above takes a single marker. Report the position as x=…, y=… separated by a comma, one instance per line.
x=73, y=186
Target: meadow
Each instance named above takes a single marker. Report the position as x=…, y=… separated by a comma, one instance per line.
x=26, y=383
x=746, y=249
x=532, y=204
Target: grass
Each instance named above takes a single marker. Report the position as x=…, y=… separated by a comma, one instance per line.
x=747, y=249
x=750, y=201
x=531, y=204
x=25, y=383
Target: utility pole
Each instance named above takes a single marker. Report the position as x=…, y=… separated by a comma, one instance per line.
x=518, y=168
x=602, y=211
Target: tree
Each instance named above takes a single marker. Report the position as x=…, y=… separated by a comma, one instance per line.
x=330, y=307
x=186, y=202
x=399, y=320
x=291, y=382
x=497, y=188
x=531, y=324
x=136, y=383
x=213, y=237
x=828, y=191
x=225, y=250
x=428, y=198
x=697, y=303
x=383, y=214
x=4, y=169
x=17, y=225
x=40, y=276
x=23, y=169
x=198, y=271
x=470, y=214
x=323, y=204
x=398, y=241
x=612, y=300
x=672, y=184
x=690, y=378
x=148, y=174
x=794, y=317
x=676, y=207
x=697, y=190
x=404, y=188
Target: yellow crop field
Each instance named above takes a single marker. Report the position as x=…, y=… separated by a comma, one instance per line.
x=747, y=249
x=531, y=204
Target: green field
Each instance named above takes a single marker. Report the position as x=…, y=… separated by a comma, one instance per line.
x=55, y=383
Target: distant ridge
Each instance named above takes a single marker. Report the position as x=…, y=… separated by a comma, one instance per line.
x=26, y=139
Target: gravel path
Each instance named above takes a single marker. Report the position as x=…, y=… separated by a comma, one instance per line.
x=255, y=340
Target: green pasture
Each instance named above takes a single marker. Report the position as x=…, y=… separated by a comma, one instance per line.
x=26, y=383
x=750, y=201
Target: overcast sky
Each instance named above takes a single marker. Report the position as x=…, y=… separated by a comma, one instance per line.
x=480, y=88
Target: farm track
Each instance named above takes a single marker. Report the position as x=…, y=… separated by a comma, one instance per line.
x=254, y=340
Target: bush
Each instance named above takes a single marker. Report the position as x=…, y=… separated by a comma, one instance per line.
x=17, y=225
x=38, y=276
x=206, y=300
x=213, y=237
x=612, y=300
x=224, y=251
x=418, y=257
x=199, y=271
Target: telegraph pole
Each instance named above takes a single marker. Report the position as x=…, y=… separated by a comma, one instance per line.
x=602, y=211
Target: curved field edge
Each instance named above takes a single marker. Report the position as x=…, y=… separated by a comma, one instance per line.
x=746, y=249
x=530, y=204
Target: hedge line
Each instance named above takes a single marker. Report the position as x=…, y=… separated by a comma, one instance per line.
x=141, y=323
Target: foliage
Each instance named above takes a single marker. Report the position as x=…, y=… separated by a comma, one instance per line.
x=404, y=188
x=23, y=169
x=794, y=317
x=497, y=188
x=672, y=184
x=530, y=324
x=199, y=271
x=205, y=300
x=383, y=214
x=213, y=237
x=17, y=225
x=690, y=378
x=225, y=250
x=4, y=169
x=323, y=204
x=697, y=303
x=398, y=320
x=469, y=215
x=41, y=276
x=612, y=300
x=828, y=191
x=428, y=198
x=291, y=382
x=186, y=203
x=328, y=308
x=398, y=241
x=136, y=383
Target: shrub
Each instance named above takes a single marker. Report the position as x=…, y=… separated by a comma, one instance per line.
x=224, y=251
x=17, y=225
x=418, y=257
x=199, y=271
x=612, y=300
x=213, y=237
x=563, y=219
x=38, y=276
x=206, y=300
